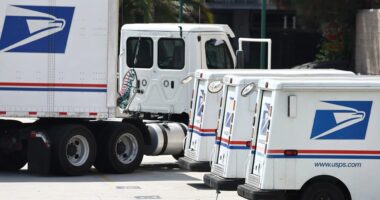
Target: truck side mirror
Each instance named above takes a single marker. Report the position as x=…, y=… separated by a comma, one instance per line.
x=239, y=59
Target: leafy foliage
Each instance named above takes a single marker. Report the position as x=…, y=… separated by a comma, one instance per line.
x=334, y=19
x=145, y=11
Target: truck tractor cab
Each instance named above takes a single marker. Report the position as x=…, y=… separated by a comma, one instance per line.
x=155, y=57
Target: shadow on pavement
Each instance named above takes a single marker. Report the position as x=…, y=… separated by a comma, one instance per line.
x=146, y=172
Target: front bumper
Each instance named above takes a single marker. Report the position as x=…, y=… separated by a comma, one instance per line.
x=253, y=193
x=220, y=183
x=193, y=165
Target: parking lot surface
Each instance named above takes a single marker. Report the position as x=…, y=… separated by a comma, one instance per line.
x=158, y=178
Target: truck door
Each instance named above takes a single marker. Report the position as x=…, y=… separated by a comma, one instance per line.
x=160, y=63
x=262, y=134
x=171, y=68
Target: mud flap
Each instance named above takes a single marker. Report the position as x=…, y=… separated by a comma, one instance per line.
x=38, y=156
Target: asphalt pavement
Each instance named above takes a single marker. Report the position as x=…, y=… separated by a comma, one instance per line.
x=158, y=178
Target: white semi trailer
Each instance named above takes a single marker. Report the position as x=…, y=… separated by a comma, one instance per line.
x=60, y=64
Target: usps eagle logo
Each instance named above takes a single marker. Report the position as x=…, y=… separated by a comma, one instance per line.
x=36, y=29
x=201, y=103
x=341, y=120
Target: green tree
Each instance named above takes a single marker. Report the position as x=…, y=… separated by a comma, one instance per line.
x=145, y=11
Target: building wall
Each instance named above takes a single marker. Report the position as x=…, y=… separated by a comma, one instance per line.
x=367, y=51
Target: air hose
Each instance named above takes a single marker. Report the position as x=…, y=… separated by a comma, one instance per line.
x=127, y=88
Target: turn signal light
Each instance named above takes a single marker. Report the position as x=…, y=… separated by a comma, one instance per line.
x=248, y=144
x=291, y=153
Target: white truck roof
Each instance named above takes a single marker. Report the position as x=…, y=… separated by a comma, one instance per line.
x=235, y=79
x=174, y=27
x=325, y=83
x=208, y=74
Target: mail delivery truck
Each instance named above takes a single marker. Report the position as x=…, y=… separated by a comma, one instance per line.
x=315, y=139
x=207, y=106
x=236, y=121
x=60, y=63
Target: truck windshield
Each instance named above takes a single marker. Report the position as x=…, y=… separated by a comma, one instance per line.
x=218, y=55
x=140, y=52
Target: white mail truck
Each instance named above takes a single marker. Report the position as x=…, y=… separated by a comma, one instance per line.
x=315, y=139
x=233, y=140
x=206, y=109
x=204, y=114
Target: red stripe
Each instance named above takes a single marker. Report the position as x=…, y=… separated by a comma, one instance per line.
x=202, y=130
x=32, y=113
x=62, y=113
x=3, y=112
x=53, y=84
x=225, y=140
x=234, y=142
x=328, y=151
x=93, y=113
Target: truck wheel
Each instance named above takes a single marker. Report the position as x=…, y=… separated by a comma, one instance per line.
x=322, y=191
x=73, y=150
x=120, y=149
x=12, y=159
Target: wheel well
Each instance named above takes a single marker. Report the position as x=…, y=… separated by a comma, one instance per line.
x=141, y=126
x=330, y=179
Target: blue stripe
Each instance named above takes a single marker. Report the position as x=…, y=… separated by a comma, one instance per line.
x=325, y=157
x=203, y=134
x=234, y=147
x=51, y=89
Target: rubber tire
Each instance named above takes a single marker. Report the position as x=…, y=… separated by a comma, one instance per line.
x=313, y=191
x=60, y=135
x=106, y=160
x=15, y=160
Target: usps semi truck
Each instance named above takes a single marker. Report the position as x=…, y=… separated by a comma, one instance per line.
x=233, y=140
x=60, y=63
x=317, y=139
